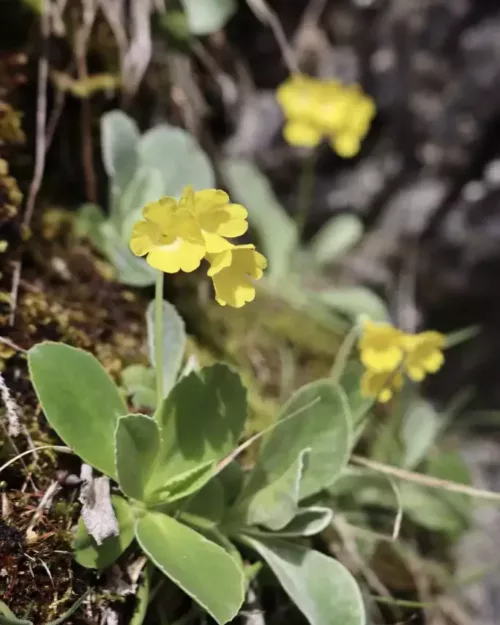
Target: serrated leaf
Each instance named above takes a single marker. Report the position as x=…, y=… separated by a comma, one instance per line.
x=207, y=16
x=119, y=142
x=130, y=269
x=322, y=426
x=80, y=400
x=93, y=556
x=275, y=505
x=137, y=444
x=276, y=229
x=201, y=420
x=202, y=569
x=174, y=342
x=323, y=590
x=178, y=157
x=336, y=237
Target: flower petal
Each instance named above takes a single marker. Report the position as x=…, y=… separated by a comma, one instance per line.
x=180, y=256
x=346, y=144
x=218, y=262
x=302, y=134
x=160, y=212
x=215, y=243
x=144, y=237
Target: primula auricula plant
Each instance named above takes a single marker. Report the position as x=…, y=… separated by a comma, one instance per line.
x=386, y=352
x=176, y=487
x=325, y=109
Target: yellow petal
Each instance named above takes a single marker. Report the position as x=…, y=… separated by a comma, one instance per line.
x=160, y=212
x=180, y=256
x=302, y=134
x=417, y=374
x=215, y=243
x=346, y=144
x=144, y=236
x=232, y=273
x=187, y=199
x=218, y=262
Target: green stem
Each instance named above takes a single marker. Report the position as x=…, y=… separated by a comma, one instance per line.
x=305, y=192
x=159, y=337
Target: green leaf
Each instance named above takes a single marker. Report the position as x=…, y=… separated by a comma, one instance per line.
x=93, y=556
x=420, y=429
x=145, y=186
x=336, y=237
x=322, y=425
x=7, y=617
x=359, y=406
x=174, y=342
x=202, y=569
x=119, y=141
x=207, y=16
x=137, y=443
x=142, y=596
x=201, y=420
x=130, y=269
x=231, y=478
x=80, y=401
x=179, y=158
x=139, y=382
x=207, y=505
x=181, y=485
x=276, y=229
x=323, y=590
x=275, y=505
x=307, y=522
x=353, y=301
x=88, y=223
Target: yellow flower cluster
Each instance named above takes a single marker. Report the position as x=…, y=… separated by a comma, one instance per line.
x=176, y=235
x=315, y=109
x=386, y=352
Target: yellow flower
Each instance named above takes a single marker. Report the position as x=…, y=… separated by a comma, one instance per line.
x=380, y=346
x=216, y=217
x=385, y=351
x=232, y=271
x=316, y=109
x=169, y=237
x=298, y=97
x=424, y=354
x=175, y=235
x=381, y=384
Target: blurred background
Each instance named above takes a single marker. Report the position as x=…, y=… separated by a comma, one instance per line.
x=424, y=189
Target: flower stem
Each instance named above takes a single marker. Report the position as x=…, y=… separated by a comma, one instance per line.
x=305, y=191
x=159, y=337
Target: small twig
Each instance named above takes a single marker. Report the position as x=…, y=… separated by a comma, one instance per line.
x=60, y=448
x=16, y=278
x=269, y=17
x=12, y=345
x=45, y=502
x=80, y=51
x=41, y=115
x=425, y=480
